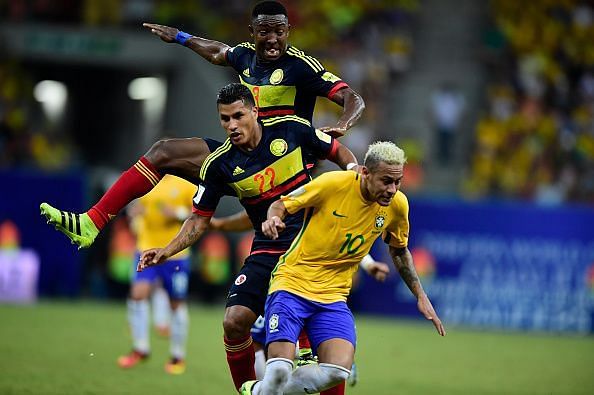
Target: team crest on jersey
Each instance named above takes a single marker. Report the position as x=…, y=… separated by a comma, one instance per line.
x=278, y=147
x=240, y=279
x=277, y=76
x=380, y=220
x=273, y=323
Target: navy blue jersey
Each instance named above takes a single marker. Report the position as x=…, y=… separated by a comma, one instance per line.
x=258, y=178
x=287, y=86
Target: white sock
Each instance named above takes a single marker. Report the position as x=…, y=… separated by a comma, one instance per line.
x=138, y=317
x=179, y=331
x=311, y=379
x=260, y=364
x=278, y=371
x=161, y=308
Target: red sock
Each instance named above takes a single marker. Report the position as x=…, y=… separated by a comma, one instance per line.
x=133, y=183
x=303, y=340
x=337, y=390
x=241, y=358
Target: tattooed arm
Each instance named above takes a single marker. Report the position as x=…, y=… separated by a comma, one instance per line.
x=190, y=232
x=404, y=263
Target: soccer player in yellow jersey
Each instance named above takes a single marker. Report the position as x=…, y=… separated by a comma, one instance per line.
x=157, y=220
x=345, y=213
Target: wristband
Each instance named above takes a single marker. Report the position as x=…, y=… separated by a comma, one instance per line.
x=182, y=37
x=366, y=262
x=351, y=165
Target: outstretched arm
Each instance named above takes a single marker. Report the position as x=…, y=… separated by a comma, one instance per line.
x=190, y=232
x=404, y=263
x=233, y=223
x=212, y=51
x=353, y=106
x=344, y=158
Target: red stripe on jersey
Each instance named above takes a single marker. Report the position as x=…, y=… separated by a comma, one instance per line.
x=274, y=113
x=202, y=213
x=310, y=165
x=333, y=150
x=277, y=191
x=279, y=252
x=336, y=88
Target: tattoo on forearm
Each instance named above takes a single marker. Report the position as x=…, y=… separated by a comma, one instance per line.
x=406, y=268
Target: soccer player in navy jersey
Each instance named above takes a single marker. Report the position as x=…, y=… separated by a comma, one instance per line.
x=284, y=81
x=257, y=163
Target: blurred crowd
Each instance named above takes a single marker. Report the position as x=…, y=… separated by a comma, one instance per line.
x=27, y=137
x=536, y=138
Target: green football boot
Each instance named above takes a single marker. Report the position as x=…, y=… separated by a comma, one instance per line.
x=79, y=228
x=306, y=357
x=247, y=387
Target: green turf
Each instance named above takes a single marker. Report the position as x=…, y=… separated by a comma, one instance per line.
x=71, y=348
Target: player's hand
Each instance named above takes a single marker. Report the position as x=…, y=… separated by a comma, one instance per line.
x=149, y=258
x=378, y=270
x=271, y=227
x=334, y=131
x=165, y=33
x=426, y=308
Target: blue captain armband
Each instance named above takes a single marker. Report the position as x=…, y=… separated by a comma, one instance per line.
x=182, y=37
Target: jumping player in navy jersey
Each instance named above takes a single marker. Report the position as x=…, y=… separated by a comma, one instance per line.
x=284, y=81
x=256, y=164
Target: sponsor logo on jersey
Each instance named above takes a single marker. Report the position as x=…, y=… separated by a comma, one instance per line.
x=240, y=279
x=380, y=220
x=273, y=323
x=276, y=77
x=278, y=147
x=246, y=72
x=238, y=170
x=338, y=215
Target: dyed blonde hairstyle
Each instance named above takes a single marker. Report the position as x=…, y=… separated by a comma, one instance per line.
x=383, y=151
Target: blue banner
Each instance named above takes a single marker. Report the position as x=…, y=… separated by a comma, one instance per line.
x=495, y=265
x=22, y=192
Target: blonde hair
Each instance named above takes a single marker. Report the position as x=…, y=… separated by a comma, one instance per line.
x=384, y=151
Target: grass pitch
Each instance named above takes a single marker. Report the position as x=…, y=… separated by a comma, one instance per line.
x=72, y=347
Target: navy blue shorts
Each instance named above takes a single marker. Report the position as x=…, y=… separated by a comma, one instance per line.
x=287, y=314
x=174, y=275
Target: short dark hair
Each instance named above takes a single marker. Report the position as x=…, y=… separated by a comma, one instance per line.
x=269, y=8
x=232, y=92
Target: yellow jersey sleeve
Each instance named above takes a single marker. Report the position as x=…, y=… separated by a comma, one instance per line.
x=308, y=195
x=396, y=234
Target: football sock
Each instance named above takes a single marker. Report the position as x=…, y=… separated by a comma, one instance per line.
x=310, y=379
x=179, y=331
x=240, y=358
x=304, y=342
x=138, y=318
x=278, y=371
x=260, y=364
x=336, y=390
x=133, y=183
x=161, y=308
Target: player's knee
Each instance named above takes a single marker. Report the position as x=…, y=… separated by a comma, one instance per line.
x=160, y=154
x=235, y=325
x=140, y=291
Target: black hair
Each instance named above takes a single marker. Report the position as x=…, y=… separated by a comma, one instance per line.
x=269, y=8
x=232, y=92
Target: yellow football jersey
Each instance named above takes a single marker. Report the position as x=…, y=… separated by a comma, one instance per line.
x=339, y=229
x=153, y=227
